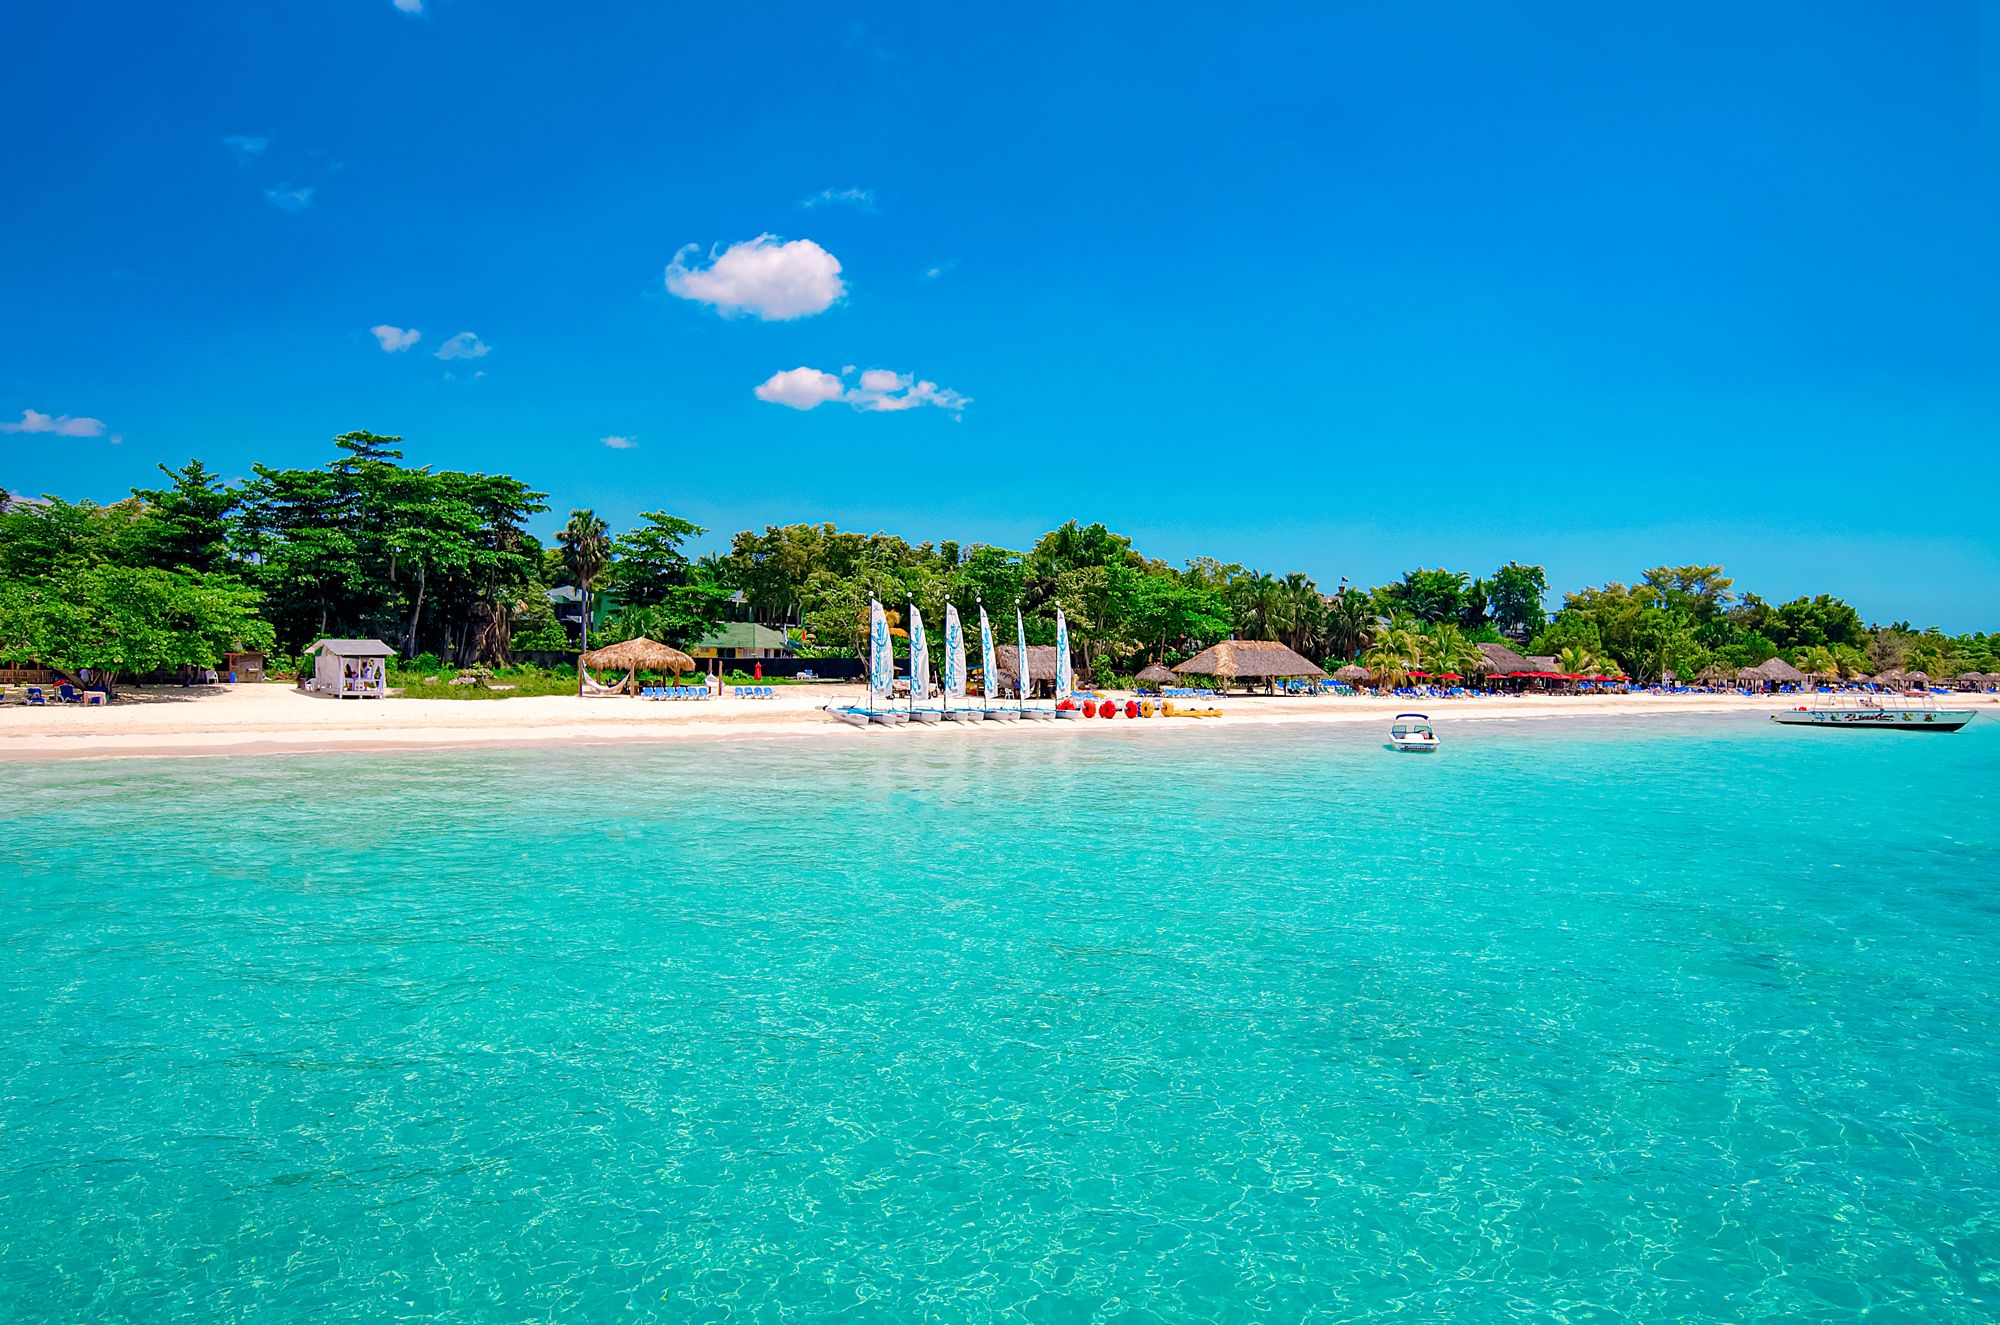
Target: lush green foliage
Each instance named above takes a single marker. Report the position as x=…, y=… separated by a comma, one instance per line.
x=441, y=564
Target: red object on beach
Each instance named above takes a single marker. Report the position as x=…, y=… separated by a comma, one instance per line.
x=1449, y=676
x=758, y=671
x=1108, y=710
x=1089, y=708
x=1131, y=708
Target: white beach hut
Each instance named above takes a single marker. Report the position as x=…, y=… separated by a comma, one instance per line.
x=351, y=668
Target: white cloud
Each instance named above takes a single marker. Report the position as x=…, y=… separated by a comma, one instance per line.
x=464, y=345
x=62, y=425
x=288, y=199
x=883, y=392
x=880, y=391
x=394, y=340
x=863, y=199
x=932, y=273
x=409, y=6
x=766, y=276
x=618, y=443
x=800, y=388
x=246, y=148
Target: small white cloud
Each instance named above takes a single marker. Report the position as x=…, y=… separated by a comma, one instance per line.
x=860, y=199
x=884, y=392
x=464, y=345
x=775, y=280
x=246, y=148
x=394, y=340
x=61, y=425
x=932, y=273
x=288, y=199
x=480, y=373
x=800, y=388
x=880, y=391
x=617, y=443
x=409, y=6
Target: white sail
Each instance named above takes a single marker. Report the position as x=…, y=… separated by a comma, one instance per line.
x=1065, y=688
x=920, y=657
x=881, y=658
x=1021, y=656
x=954, y=654
x=989, y=670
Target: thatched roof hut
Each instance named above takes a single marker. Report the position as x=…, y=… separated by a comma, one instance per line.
x=1776, y=670
x=1155, y=674
x=1542, y=662
x=1247, y=659
x=638, y=655
x=1501, y=661
x=1351, y=673
x=1041, y=662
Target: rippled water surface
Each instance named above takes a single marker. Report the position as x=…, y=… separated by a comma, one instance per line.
x=1677, y=1021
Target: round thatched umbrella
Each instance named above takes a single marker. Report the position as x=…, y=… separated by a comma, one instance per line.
x=1351, y=673
x=633, y=656
x=1155, y=674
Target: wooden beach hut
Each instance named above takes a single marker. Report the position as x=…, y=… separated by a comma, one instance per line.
x=630, y=656
x=1249, y=660
x=351, y=668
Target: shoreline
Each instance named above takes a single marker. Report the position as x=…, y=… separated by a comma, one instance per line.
x=278, y=720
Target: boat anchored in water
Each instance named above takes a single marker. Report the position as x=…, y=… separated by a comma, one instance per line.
x=1873, y=715
x=1411, y=733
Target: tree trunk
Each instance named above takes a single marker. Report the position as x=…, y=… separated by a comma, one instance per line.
x=410, y=635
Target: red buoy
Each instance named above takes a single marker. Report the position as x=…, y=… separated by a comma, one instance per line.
x=1089, y=708
x=1131, y=708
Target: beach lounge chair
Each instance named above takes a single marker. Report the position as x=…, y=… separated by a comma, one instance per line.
x=35, y=695
x=67, y=693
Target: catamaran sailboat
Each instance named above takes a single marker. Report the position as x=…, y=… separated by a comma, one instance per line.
x=990, y=673
x=920, y=671
x=954, y=668
x=1023, y=683
x=1065, y=681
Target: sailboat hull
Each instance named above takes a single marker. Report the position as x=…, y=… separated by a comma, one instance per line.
x=926, y=716
x=962, y=715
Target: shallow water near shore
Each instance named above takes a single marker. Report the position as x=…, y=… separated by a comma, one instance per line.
x=1689, y=1019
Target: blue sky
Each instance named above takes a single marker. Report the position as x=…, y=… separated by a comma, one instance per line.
x=1334, y=288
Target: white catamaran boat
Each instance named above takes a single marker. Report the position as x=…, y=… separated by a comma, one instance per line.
x=881, y=675
x=954, y=669
x=990, y=673
x=920, y=671
x=1411, y=733
x=1065, y=682
x=1873, y=715
x=1022, y=682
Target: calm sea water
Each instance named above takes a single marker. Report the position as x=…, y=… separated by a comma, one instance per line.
x=1688, y=1021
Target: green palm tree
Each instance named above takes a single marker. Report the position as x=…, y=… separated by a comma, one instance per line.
x=586, y=550
x=1578, y=661
x=1445, y=649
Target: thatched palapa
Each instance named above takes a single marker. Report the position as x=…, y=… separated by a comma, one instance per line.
x=638, y=655
x=1503, y=661
x=1041, y=663
x=1775, y=670
x=1248, y=659
x=1155, y=674
x=1351, y=673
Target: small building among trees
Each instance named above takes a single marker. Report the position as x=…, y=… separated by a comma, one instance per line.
x=351, y=668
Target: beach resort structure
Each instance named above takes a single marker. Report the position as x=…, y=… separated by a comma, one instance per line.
x=350, y=668
x=1250, y=660
x=741, y=639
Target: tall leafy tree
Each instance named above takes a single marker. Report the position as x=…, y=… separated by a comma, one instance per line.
x=586, y=545
x=187, y=522
x=1515, y=596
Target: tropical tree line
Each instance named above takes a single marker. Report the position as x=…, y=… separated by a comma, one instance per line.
x=442, y=563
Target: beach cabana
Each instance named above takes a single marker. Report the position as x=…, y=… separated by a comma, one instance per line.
x=1248, y=660
x=1770, y=674
x=630, y=656
x=1352, y=674
x=351, y=668
x=1041, y=669
x=1155, y=675
x=1500, y=663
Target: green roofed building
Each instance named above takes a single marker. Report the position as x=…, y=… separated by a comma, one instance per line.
x=742, y=639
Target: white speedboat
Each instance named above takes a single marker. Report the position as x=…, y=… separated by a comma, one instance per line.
x=1411, y=733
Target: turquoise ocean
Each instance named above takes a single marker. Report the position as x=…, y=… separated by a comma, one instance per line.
x=1675, y=1020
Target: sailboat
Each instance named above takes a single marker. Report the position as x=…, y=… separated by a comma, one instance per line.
x=954, y=668
x=881, y=675
x=990, y=672
x=1065, y=683
x=920, y=670
x=1023, y=682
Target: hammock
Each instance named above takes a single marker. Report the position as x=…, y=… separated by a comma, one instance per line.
x=590, y=686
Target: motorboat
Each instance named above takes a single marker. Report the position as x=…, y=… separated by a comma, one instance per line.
x=1411, y=733
x=1872, y=715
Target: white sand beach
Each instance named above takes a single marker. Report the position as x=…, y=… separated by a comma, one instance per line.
x=276, y=719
